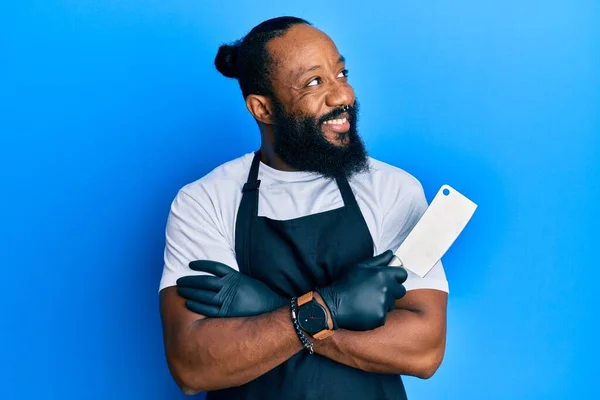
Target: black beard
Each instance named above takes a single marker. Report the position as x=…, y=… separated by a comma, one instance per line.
x=300, y=143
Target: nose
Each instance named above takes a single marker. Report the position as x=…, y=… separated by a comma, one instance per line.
x=340, y=94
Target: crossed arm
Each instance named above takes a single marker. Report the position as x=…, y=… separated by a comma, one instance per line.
x=213, y=353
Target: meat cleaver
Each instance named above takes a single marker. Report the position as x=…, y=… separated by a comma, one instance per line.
x=440, y=225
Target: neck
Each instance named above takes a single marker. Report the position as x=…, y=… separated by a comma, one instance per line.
x=267, y=154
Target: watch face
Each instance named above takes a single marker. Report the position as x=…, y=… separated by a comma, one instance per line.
x=312, y=317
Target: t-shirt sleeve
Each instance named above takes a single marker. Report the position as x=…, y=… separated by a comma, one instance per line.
x=401, y=216
x=193, y=232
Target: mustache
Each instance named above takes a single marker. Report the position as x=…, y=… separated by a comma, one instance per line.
x=333, y=114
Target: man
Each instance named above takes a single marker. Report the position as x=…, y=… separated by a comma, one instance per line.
x=276, y=284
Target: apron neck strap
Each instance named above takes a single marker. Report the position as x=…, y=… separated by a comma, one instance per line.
x=253, y=183
x=346, y=191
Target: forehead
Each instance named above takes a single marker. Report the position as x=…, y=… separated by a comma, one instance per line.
x=301, y=47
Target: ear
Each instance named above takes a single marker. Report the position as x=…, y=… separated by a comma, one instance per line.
x=260, y=107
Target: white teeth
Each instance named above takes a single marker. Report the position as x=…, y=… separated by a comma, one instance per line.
x=336, y=121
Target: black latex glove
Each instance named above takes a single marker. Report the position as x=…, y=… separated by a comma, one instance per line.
x=227, y=294
x=361, y=299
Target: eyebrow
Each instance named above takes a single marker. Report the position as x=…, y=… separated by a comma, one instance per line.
x=341, y=60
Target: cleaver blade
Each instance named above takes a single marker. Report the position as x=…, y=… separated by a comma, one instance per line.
x=443, y=221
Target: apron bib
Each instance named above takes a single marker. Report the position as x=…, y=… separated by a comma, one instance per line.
x=293, y=257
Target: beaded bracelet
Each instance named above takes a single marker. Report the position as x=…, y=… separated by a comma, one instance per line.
x=305, y=342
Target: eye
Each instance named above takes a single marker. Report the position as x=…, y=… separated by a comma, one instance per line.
x=343, y=74
x=314, y=82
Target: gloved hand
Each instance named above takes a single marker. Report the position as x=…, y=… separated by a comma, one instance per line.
x=361, y=299
x=227, y=294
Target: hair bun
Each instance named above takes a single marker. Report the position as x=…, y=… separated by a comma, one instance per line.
x=226, y=60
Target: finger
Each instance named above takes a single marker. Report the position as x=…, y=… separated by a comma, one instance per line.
x=212, y=267
x=202, y=296
x=381, y=259
x=400, y=274
x=202, y=309
x=206, y=282
x=398, y=291
x=397, y=273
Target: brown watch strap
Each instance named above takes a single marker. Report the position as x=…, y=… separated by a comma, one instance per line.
x=325, y=333
x=305, y=298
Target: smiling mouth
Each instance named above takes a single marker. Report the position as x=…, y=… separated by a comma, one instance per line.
x=338, y=125
x=338, y=121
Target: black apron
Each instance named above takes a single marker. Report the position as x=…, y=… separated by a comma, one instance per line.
x=293, y=257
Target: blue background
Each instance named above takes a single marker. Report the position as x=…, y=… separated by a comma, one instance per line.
x=107, y=108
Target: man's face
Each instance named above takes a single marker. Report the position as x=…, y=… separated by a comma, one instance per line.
x=315, y=108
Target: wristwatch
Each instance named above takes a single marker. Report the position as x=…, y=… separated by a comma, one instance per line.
x=312, y=317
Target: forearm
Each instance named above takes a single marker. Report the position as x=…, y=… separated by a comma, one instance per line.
x=407, y=345
x=216, y=353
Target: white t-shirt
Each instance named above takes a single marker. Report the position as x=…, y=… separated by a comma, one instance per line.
x=201, y=222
